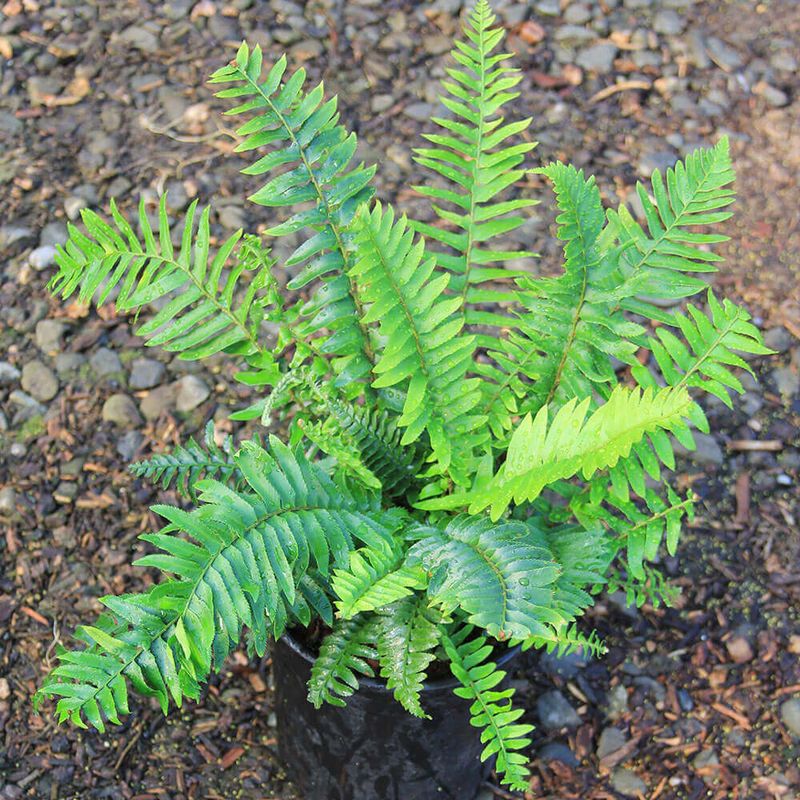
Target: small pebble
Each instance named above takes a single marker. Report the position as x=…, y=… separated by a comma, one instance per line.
x=42, y=257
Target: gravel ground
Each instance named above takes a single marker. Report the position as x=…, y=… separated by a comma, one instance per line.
x=102, y=99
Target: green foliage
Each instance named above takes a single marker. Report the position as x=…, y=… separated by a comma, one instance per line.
x=477, y=163
x=250, y=551
x=345, y=651
x=472, y=450
x=408, y=633
x=503, y=735
x=202, y=314
x=427, y=357
x=187, y=464
x=308, y=167
x=496, y=574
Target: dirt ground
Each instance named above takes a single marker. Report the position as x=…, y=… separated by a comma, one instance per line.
x=102, y=99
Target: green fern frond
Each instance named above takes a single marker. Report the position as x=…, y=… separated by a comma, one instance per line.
x=640, y=528
x=424, y=353
x=375, y=579
x=477, y=163
x=345, y=651
x=491, y=708
x=567, y=640
x=663, y=262
x=249, y=552
x=495, y=573
x=308, y=167
x=187, y=464
x=206, y=309
x=408, y=633
x=704, y=359
x=540, y=453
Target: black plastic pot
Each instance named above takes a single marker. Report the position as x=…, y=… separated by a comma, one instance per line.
x=374, y=749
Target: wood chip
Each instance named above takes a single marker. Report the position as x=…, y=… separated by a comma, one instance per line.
x=754, y=445
x=622, y=86
x=734, y=715
x=231, y=757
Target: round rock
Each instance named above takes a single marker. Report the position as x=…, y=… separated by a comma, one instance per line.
x=39, y=381
x=192, y=391
x=556, y=713
x=628, y=783
x=121, y=410
x=42, y=257
x=146, y=373
x=105, y=362
x=790, y=715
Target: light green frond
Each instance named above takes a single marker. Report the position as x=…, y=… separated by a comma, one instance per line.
x=664, y=261
x=491, y=709
x=206, y=305
x=374, y=579
x=478, y=164
x=307, y=164
x=542, y=452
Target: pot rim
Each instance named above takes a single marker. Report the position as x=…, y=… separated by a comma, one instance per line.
x=379, y=685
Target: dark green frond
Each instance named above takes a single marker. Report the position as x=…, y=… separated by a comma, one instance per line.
x=187, y=464
x=495, y=573
x=345, y=651
x=408, y=633
x=491, y=709
x=242, y=565
x=308, y=168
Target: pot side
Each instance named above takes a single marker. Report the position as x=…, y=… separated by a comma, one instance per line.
x=373, y=749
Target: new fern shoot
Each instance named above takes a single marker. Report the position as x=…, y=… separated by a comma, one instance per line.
x=431, y=395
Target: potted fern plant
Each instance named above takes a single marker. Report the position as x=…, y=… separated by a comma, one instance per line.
x=471, y=452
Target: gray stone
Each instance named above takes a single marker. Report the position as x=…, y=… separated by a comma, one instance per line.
x=556, y=751
x=68, y=363
x=421, y=112
x=8, y=500
x=616, y=702
x=555, y=712
x=597, y=58
x=548, y=8
x=146, y=373
x=121, y=410
x=50, y=335
x=784, y=61
x=577, y=14
x=628, y=783
x=620, y=601
x=707, y=450
x=158, y=402
x=668, y=22
x=105, y=362
x=140, y=38
x=9, y=374
x=192, y=391
x=774, y=96
x=73, y=206
x=790, y=716
x=42, y=257
x=13, y=234
x=572, y=35
x=3, y=422
x=778, y=339
x=566, y=666
x=52, y=234
x=39, y=381
x=128, y=444
x=652, y=160
x=307, y=50
x=611, y=740
x=722, y=54
x=232, y=217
